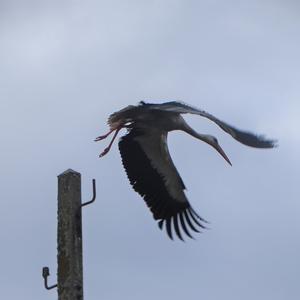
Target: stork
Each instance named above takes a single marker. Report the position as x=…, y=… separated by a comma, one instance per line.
x=148, y=164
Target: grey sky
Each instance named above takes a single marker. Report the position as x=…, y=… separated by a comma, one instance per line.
x=66, y=65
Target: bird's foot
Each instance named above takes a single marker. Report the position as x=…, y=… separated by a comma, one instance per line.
x=105, y=151
x=101, y=137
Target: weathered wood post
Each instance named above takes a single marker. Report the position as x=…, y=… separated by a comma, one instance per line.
x=69, y=237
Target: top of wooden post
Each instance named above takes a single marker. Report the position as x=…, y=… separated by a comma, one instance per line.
x=69, y=171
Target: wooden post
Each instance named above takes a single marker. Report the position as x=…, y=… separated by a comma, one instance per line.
x=69, y=237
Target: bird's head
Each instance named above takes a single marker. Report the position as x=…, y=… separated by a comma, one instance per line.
x=211, y=140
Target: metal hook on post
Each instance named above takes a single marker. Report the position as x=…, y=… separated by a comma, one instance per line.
x=94, y=195
x=45, y=275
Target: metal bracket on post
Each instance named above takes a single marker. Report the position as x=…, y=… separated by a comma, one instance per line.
x=45, y=275
x=94, y=195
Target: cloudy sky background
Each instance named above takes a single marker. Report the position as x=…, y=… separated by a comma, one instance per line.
x=66, y=65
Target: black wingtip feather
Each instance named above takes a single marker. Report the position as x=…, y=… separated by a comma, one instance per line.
x=161, y=224
x=194, y=217
x=184, y=226
x=169, y=229
x=190, y=222
x=176, y=227
x=197, y=215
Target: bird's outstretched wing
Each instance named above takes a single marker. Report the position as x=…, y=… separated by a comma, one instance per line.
x=244, y=137
x=152, y=174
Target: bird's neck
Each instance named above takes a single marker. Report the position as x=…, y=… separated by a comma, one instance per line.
x=189, y=130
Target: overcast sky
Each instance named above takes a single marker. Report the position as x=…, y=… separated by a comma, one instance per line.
x=66, y=65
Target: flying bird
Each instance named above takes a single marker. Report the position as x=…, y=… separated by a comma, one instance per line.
x=149, y=166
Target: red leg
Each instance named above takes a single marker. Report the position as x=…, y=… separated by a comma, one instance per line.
x=111, y=142
x=102, y=137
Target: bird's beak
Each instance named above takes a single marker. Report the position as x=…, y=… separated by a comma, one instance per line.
x=221, y=151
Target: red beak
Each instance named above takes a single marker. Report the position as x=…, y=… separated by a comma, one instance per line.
x=220, y=150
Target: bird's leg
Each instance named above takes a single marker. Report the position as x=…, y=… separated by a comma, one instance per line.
x=111, y=142
x=102, y=137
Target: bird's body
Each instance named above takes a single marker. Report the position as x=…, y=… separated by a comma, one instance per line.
x=148, y=164
x=142, y=117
